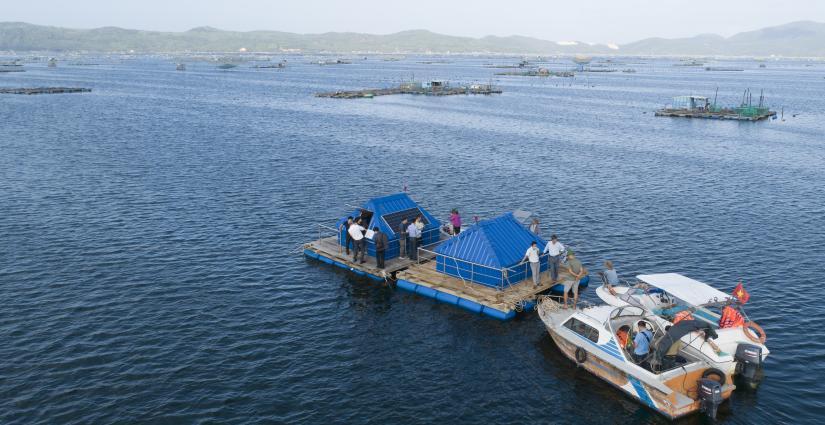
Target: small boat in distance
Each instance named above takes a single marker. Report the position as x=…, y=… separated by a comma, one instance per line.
x=592, y=337
x=227, y=66
x=180, y=67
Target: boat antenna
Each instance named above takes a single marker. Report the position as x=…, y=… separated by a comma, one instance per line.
x=715, y=96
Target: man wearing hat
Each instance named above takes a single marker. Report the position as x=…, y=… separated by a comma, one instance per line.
x=575, y=268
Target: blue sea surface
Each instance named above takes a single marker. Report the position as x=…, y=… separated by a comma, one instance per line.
x=149, y=229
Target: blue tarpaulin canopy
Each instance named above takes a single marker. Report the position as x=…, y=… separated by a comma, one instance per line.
x=386, y=213
x=489, y=252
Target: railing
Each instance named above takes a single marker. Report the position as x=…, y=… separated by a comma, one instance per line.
x=502, y=274
x=330, y=231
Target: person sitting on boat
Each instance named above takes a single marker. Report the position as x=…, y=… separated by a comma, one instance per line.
x=641, y=344
x=611, y=278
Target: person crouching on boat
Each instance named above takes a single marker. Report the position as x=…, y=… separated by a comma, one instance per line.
x=610, y=276
x=641, y=344
x=532, y=255
x=575, y=268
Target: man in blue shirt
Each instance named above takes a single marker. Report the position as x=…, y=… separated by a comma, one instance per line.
x=641, y=343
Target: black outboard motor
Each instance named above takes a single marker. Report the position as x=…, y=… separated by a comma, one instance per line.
x=749, y=361
x=710, y=396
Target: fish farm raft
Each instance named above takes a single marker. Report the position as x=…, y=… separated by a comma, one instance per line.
x=701, y=107
x=479, y=270
x=45, y=90
x=433, y=88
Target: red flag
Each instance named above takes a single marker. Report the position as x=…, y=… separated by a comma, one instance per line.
x=741, y=294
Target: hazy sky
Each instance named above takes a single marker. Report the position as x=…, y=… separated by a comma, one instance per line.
x=603, y=21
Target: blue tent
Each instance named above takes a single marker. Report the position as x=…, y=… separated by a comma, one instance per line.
x=488, y=253
x=386, y=213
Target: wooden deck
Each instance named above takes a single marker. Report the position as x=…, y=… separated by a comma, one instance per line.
x=330, y=248
x=511, y=298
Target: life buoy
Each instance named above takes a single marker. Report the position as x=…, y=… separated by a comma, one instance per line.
x=760, y=335
x=720, y=376
x=581, y=355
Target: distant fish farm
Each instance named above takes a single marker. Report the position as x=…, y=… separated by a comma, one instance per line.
x=432, y=88
x=541, y=72
x=44, y=90
x=701, y=107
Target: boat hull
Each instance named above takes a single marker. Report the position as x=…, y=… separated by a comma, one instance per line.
x=664, y=404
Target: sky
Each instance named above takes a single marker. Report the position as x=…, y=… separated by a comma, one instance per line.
x=602, y=21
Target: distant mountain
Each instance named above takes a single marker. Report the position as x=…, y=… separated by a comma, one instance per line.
x=794, y=39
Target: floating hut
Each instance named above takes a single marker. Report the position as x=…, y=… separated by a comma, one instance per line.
x=432, y=88
x=480, y=270
x=386, y=213
x=701, y=107
x=44, y=90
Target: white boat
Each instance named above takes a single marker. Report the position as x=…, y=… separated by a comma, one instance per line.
x=589, y=337
x=668, y=295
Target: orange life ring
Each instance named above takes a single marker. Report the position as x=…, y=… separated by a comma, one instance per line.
x=759, y=336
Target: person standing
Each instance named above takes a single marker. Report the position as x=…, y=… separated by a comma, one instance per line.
x=402, y=239
x=412, y=236
x=575, y=268
x=356, y=231
x=419, y=224
x=455, y=220
x=532, y=255
x=345, y=229
x=554, y=248
x=381, y=243
x=641, y=344
x=534, y=226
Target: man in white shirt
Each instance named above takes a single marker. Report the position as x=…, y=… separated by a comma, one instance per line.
x=555, y=249
x=413, y=233
x=356, y=231
x=532, y=255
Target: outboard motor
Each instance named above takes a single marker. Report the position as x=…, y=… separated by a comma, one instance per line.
x=749, y=361
x=710, y=396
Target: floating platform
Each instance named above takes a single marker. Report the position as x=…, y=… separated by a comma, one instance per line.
x=714, y=115
x=538, y=73
x=329, y=251
x=44, y=90
x=424, y=279
x=435, y=88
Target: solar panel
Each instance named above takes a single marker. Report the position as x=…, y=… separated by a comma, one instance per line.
x=394, y=219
